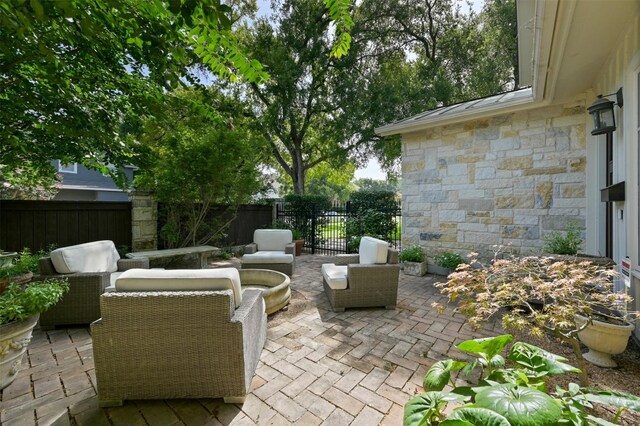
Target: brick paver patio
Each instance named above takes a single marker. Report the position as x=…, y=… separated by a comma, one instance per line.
x=318, y=367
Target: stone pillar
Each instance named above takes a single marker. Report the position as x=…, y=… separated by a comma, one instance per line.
x=144, y=221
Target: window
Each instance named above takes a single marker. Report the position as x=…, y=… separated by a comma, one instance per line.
x=67, y=168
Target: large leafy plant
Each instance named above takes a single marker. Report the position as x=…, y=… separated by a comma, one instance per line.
x=514, y=395
x=541, y=295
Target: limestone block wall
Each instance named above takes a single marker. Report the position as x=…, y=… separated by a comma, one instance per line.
x=506, y=180
x=144, y=221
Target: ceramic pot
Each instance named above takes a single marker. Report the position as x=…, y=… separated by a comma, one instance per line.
x=14, y=339
x=6, y=258
x=603, y=340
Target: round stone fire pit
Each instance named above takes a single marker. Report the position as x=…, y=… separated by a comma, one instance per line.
x=274, y=286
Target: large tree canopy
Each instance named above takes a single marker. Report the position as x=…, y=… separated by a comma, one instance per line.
x=406, y=56
x=73, y=71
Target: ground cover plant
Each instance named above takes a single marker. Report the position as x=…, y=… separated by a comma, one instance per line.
x=511, y=391
x=537, y=295
x=448, y=260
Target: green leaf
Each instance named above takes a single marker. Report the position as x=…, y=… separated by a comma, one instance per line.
x=424, y=406
x=476, y=416
x=440, y=373
x=540, y=360
x=489, y=347
x=615, y=398
x=37, y=9
x=520, y=405
x=599, y=421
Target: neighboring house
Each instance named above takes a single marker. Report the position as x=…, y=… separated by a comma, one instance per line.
x=511, y=168
x=82, y=184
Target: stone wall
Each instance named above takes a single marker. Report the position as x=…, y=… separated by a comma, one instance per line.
x=144, y=221
x=507, y=180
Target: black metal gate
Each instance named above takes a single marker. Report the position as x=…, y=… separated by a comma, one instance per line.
x=338, y=228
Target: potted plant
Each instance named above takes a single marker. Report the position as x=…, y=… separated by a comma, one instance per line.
x=413, y=260
x=6, y=257
x=445, y=263
x=539, y=295
x=20, y=270
x=566, y=245
x=20, y=308
x=298, y=240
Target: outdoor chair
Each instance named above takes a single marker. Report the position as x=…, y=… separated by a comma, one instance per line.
x=167, y=334
x=90, y=268
x=271, y=249
x=367, y=279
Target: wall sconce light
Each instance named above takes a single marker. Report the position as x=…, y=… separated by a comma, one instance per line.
x=602, y=111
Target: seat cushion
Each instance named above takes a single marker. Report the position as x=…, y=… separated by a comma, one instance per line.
x=96, y=256
x=335, y=275
x=372, y=251
x=272, y=239
x=181, y=280
x=267, y=257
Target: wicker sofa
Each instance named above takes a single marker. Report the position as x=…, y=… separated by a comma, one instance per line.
x=271, y=249
x=367, y=279
x=196, y=343
x=89, y=268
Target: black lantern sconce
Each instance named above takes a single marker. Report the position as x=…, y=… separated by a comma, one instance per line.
x=602, y=111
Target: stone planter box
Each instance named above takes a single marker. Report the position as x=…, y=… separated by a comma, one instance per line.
x=438, y=270
x=416, y=269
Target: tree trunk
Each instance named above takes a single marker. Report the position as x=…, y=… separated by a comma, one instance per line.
x=298, y=174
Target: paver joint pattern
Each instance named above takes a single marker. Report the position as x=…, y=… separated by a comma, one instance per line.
x=318, y=367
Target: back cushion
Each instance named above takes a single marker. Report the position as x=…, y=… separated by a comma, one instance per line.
x=272, y=239
x=181, y=280
x=373, y=250
x=96, y=256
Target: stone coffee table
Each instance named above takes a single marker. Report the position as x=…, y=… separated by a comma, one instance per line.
x=274, y=286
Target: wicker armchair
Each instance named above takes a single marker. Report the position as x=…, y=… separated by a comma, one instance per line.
x=81, y=305
x=271, y=249
x=177, y=344
x=368, y=279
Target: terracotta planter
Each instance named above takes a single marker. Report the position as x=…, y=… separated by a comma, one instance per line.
x=299, y=246
x=14, y=339
x=603, y=340
x=19, y=279
x=416, y=269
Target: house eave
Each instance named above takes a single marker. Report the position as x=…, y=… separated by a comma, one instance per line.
x=479, y=113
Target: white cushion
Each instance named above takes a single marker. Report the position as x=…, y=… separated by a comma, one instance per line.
x=267, y=257
x=335, y=275
x=181, y=280
x=96, y=256
x=272, y=239
x=372, y=251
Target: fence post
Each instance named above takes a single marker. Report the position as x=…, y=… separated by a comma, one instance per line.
x=314, y=215
x=144, y=221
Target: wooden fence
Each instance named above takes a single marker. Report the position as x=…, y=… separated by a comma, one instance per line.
x=249, y=217
x=42, y=224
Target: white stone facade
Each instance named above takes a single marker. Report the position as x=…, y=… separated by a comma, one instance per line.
x=506, y=180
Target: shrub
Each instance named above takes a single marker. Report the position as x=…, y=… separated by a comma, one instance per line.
x=568, y=243
x=448, y=260
x=412, y=254
x=542, y=295
x=508, y=395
